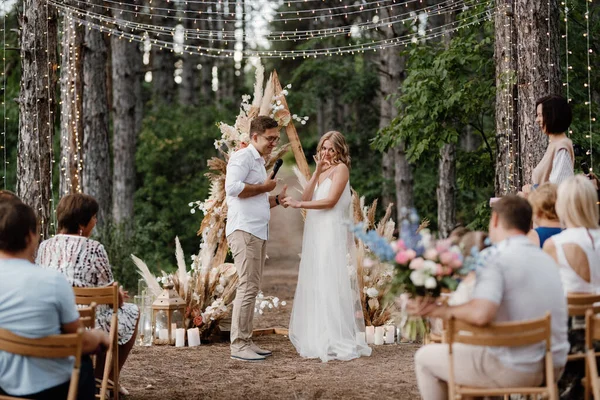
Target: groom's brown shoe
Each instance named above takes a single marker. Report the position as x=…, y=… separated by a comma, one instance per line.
x=247, y=355
x=259, y=351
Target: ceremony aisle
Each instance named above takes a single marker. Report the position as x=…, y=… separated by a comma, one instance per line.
x=207, y=372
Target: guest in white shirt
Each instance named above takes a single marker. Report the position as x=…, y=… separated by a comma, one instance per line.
x=515, y=285
x=248, y=212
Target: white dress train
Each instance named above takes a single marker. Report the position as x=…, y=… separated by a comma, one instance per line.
x=327, y=314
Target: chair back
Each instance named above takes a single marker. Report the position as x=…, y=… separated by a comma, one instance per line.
x=506, y=334
x=579, y=303
x=99, y=295
x=55, y=346
x=87, y=316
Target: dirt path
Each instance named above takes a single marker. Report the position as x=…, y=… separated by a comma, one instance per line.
x=207, y=372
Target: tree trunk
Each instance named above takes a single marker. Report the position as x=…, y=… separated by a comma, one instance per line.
x=189, y=89
x=126, y=83
x=163, y=59
x=446, y=190
x=71, y=88
x=538, y=64
x=97, y=181
x=39, y=38
x=508, y=172
x=395, y=166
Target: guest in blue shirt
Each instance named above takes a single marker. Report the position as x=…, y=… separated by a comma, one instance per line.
x=34, y=303
x=545, y=220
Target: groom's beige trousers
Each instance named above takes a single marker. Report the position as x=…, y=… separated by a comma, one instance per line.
x=249, y=254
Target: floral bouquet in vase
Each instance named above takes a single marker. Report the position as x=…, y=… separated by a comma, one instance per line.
x=423, y=266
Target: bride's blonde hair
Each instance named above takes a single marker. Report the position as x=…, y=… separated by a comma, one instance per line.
x=339, y=145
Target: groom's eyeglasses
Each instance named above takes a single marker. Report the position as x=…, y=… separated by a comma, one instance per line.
x=272, y=139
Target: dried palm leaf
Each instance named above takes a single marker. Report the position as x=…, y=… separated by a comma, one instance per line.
x=267, y=99
x=259, y=76
x=217, y=164
x=424, y=224
x=181, y=267
x=371, y=215
x=356, y=207
x=151, y=281
x=383, y=221
x=277, y=154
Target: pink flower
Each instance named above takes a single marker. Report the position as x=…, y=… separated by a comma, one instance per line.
x=443, y=245
x=411, y=254
x=400, y=245
x=402, y=257
x=417, y=263
x=446, y=258
x=439, y=270
x=197, y=320
x=430, y=254
x=456, y=263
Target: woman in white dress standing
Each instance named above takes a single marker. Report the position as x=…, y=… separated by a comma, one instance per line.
x=327, y=314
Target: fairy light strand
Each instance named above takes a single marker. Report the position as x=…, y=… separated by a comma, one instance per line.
x=589, y=82
x=50, y=119
x=4, y=117
x=224, y=35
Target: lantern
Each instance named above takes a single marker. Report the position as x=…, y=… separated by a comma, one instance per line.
x=167, y=315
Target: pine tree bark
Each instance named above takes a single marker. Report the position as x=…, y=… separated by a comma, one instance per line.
x=126, y=85
x=39, y=40
x=164, y=87
x=395, y=166
x=96, y=176
x=446, y=189
x=189, y=89
x=538, y=67
x=508, y=172
x=71, y=89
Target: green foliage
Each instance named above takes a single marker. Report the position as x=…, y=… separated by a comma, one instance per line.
x=173, y=148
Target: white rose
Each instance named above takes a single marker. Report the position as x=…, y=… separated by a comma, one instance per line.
x=417, y=277
x=430, y=283
x=430, y=267
x=372, y=292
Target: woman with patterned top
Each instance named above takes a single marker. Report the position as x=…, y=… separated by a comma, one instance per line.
x=84, y=262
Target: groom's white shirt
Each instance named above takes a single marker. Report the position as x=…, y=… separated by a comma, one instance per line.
x=250, y=214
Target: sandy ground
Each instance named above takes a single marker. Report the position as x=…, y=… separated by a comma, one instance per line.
x=207, y=372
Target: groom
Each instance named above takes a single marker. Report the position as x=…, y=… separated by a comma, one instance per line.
x=247, y=186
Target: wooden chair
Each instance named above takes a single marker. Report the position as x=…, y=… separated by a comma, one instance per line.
x=87, y=316
x=579, y=304
x=109, y=296
x=55, y=346
x=508, y=334
x=592, y=333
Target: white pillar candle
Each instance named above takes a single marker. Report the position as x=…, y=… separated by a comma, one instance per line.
x=378, y=335
x=180, y=337
x=163, y=334
x=390, y=330
x=361, y=338
x=193, y=337
x=370, y=334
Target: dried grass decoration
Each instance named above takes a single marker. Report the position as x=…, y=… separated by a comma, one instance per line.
x=209, y=287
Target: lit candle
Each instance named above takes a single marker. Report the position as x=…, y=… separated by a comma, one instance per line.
x=180, y=337
x=163, y=334
x=390, y=330
x=370, y=333
x=378, y=335
x=193, y=337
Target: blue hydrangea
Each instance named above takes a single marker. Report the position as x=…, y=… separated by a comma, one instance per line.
x=377, y=244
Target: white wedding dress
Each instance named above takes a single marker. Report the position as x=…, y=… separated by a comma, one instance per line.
x=327, y=314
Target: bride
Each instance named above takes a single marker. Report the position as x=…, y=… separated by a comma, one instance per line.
x=327, y=314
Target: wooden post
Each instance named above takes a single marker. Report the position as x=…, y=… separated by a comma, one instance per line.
x=290, y=130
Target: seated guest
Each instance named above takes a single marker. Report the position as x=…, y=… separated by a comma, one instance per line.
x=577, y=248
x=34, y=303
x=515, y=285
x=545, y=220
x=84, y=263
x=577, y=251
x=7, y=195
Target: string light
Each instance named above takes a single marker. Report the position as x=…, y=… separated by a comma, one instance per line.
x=225, y=35
x=50, y=119
x=589, y=82
x=4, y=117
x=349, y=49
x=567, y=52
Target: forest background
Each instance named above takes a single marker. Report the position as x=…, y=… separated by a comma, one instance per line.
x=417, y=117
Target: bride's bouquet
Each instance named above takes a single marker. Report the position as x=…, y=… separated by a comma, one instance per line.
x=423, y=266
